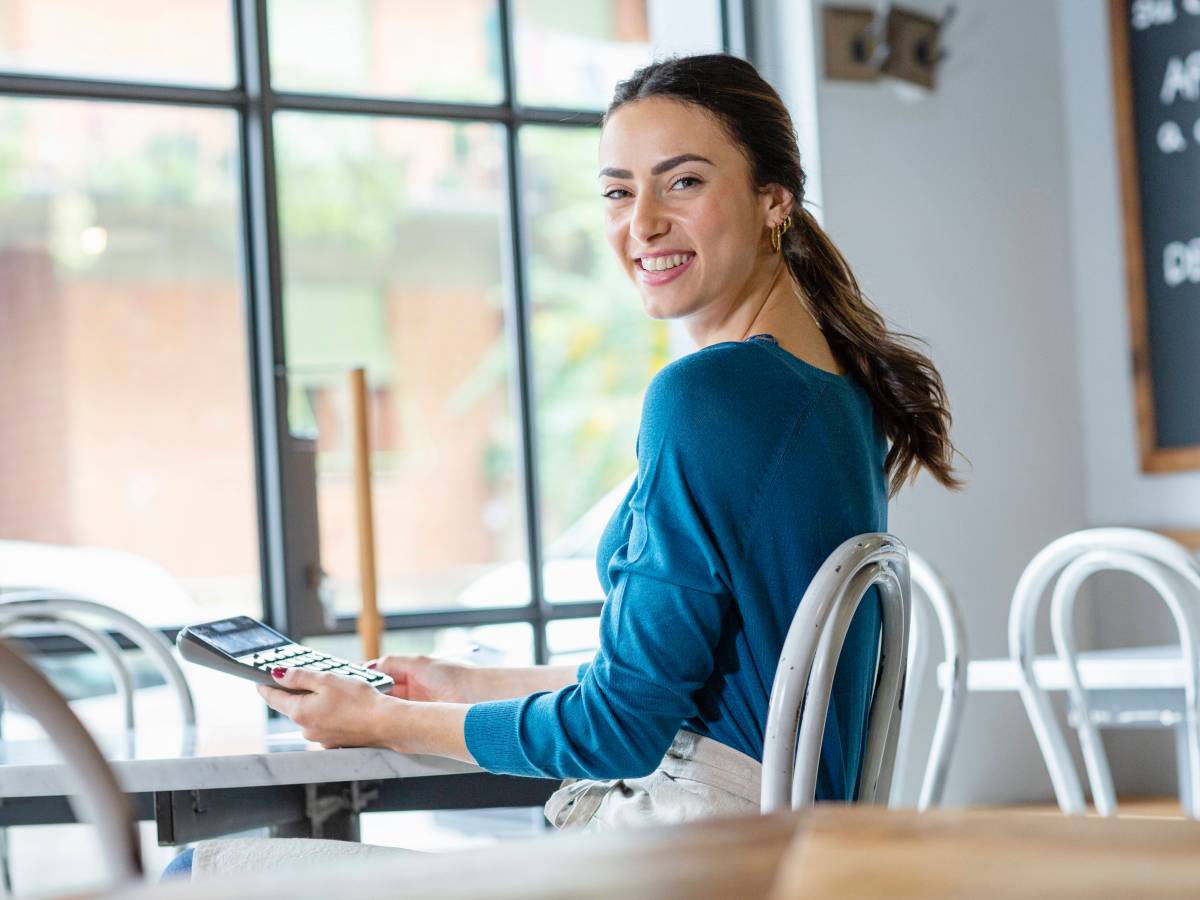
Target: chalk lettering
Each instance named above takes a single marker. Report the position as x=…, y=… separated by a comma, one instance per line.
x=1182, y=77
x=1148, y=13
x=1181, y=262
x=1170, y=138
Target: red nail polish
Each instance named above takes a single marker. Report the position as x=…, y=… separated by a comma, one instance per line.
x=371, y=665
x=278, y=672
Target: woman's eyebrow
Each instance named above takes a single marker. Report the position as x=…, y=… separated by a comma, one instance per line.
x=665, y=166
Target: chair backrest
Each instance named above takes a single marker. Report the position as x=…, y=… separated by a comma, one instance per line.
x=95, y=640
x=804, y=679
x=97, y=796
x=933, y=604
x=1164, y=565
x=24, y=605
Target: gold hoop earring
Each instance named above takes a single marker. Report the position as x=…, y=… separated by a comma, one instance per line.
x=778, y=232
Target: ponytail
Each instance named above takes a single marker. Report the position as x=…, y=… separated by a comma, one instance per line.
x=906, y=391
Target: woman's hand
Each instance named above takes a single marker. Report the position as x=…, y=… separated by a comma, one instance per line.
x=426, y=679
x=338, y=711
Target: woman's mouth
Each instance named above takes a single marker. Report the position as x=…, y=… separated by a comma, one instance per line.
x=659, y=269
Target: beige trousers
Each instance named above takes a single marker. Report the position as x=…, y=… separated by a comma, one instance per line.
x=698, y=778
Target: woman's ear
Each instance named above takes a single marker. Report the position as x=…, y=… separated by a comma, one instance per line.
x=777, y=203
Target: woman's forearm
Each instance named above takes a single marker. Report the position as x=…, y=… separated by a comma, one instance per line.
x=502, y=683
x=437, y=729
x=440, y=728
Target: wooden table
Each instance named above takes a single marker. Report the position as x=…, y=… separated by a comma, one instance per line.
x=869, y=852
x=832, y=851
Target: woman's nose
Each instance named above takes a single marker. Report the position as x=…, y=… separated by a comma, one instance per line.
x=648, y=221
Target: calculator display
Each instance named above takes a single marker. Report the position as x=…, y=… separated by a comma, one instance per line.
x=240, y=635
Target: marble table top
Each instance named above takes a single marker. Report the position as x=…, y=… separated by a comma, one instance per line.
x=181, y=758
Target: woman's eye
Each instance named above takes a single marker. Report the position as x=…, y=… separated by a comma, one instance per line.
x=686, y=178
x=615, y=193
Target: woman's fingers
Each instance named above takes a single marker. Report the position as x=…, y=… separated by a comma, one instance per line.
x=298, y=679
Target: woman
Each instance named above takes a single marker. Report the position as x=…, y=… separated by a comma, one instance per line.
x=758, y=454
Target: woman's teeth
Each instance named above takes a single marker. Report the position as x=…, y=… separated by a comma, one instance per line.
x=659, y=263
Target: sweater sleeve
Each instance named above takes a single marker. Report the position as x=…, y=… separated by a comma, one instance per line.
x=662, y=618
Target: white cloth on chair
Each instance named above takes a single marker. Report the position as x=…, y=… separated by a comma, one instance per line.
x=698, y=778
x=256, y=855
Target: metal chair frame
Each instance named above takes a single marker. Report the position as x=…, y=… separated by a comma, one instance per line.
x=1174, y=574
x=97, y=796
x=96, y=641
x=800, y=694
x=932, y=598
x=57, y=606
x=63, y=613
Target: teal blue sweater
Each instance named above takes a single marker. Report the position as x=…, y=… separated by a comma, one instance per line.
x=752, y=467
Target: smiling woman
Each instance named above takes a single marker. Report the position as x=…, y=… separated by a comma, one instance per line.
x=757, y=455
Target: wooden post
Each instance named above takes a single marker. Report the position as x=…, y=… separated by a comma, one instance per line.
x=370, y=623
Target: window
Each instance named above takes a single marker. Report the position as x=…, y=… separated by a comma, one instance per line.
x=127, y=451
x=196, y=244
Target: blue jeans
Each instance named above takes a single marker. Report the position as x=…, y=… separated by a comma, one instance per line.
x=179, y=867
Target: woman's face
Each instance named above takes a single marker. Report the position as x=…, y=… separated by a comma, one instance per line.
x=681, y=212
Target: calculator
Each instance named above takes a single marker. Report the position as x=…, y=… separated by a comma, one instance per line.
x=247, y=648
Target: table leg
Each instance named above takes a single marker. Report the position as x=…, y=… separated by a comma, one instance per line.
x=331, y=811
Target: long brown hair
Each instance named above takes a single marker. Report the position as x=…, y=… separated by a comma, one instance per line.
x=906, y=391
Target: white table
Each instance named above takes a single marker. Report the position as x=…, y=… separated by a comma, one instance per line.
x=1134, y=687
x=204, y=783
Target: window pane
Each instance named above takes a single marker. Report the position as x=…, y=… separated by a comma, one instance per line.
x=594, y=352
x=181, y=41
x=572, y=641
x=391, y=241
x=573, y=54
x=127, y=456
x=448, y=50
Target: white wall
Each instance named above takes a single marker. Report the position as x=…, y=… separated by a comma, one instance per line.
x=954, y=213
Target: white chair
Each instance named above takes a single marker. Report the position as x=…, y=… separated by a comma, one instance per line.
x=24, y=606
x=97, y=797
x=800, y=694
x=68, y=615
x=95, y=640
x=933, y=604
x=1174, y=574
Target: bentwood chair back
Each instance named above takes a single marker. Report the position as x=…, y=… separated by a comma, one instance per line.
x=89, y=623
x=97, y=797
x=933, y=606
x=800, y=694
x=70, y=615
x=1174, y=574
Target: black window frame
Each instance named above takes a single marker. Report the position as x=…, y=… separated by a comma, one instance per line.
x=254, y=100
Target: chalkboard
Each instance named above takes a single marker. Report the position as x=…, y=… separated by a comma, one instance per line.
x=1156, y=70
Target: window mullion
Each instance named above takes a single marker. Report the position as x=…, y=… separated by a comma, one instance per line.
x=264, y=302
x=520, y=335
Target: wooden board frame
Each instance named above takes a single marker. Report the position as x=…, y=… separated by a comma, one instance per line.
x=1153, y=457
x=1189, y=539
